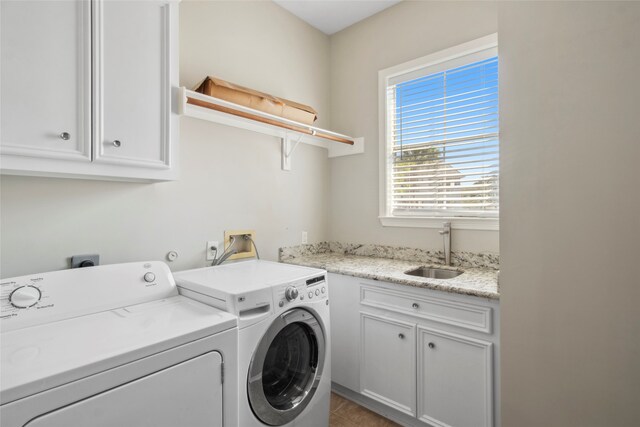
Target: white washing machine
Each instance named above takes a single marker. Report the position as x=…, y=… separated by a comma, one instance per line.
x=283, y=321
x=113, y=345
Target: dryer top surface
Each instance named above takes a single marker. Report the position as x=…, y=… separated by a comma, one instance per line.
x=242, y=277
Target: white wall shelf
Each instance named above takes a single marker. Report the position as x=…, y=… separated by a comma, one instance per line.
x=194, y=104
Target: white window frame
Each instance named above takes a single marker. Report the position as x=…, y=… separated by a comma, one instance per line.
x=433, y=220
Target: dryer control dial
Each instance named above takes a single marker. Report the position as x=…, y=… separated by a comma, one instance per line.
x=25, y=296
x=291, y=293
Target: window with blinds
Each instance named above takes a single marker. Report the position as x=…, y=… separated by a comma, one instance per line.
x=442, y=138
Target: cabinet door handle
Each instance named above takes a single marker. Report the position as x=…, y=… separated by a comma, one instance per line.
x=401, y=336
x=415, y=305
x=431, y=345
x=117, y=143
x=65, y=136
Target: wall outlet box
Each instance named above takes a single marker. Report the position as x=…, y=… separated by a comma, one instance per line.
x=212, y=253
x=81, y=261
x=304, y=238
x=243, y=246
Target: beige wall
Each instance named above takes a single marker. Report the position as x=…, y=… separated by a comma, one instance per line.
x=401, y=33
x=570, y=223
x=230, y=178
x=255, y=44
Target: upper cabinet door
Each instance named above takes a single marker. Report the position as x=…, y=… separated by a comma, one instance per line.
x=45, y=62
x=133, y=70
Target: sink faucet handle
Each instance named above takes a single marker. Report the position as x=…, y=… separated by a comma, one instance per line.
x=446, y=228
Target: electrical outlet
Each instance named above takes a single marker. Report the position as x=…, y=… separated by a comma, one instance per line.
x=80, y=261
x=304, y=237
x=211, y=253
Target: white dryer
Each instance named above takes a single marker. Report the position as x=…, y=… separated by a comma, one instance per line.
x=283, y=321
x=113, y=345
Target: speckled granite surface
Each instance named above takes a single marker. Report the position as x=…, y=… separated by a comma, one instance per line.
x=388, y=263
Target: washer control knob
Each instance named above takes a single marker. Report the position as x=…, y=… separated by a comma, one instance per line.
x=317, y=292
x=310, y=294
x=149, y=277
x=323, y=290
x=25, y=296
x=291, y=293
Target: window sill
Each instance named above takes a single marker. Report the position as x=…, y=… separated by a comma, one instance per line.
x=458, y=223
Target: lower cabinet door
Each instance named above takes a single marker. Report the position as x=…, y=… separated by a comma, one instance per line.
x=455, y=380
x=387, y=361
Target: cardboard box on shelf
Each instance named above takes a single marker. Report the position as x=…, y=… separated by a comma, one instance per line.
x=264, y=102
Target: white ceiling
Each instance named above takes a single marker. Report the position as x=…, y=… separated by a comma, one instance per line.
x=331, y=16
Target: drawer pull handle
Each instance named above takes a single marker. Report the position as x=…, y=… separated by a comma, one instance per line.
x=401, y=336
x=117, y=143
x=432, y=345
x=415, y=305
x=65, y=136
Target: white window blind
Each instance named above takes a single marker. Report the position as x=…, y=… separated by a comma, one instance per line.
x=442, y=136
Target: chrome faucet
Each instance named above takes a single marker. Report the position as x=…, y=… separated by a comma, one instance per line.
x=446, y=237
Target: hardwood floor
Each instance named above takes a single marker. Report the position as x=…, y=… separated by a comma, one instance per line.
x=345, y=413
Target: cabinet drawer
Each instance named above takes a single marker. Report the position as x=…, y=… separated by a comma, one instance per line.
x=464, y=315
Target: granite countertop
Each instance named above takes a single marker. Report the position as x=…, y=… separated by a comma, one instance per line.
x=479, y=279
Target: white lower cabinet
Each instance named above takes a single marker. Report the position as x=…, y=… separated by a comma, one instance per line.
x=454, y=380
x=387, y=365
x=345, y=331
x=429, y=356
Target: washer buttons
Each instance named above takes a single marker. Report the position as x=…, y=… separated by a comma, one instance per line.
x=281, y=303
x=317, y=292
x=310, y=294
x=324, y=290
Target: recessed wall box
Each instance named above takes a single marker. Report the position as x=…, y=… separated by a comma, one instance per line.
x=81, y=261
x=243, y=246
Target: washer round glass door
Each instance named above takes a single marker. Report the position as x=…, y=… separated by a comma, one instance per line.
x=286, y=367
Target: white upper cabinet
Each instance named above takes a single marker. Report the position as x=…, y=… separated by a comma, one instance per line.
x=46, y=81
x=102, y=72
x=132, y=59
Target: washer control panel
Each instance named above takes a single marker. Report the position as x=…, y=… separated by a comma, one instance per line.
x=310, y=289
x=47, y=297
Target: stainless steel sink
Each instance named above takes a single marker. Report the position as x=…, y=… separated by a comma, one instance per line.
x=434, y=273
